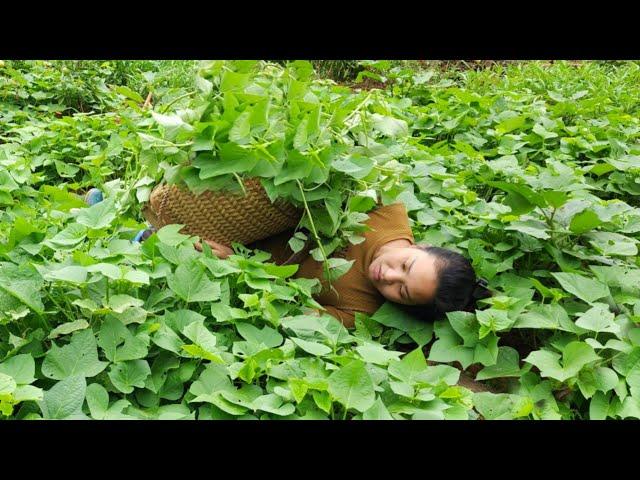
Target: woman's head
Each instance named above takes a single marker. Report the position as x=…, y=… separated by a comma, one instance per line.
x=423, y=275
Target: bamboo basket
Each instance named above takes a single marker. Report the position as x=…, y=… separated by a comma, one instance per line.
x=223, y=217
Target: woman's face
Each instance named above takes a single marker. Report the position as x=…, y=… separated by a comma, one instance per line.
x=405, y=275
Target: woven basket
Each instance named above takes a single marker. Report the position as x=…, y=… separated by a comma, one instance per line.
x=222, y=216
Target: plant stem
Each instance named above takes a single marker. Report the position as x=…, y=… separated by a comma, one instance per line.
x=610, y=359
x=44, y=321
x=66, y=314
x=355, y=110
x=549, y=221
x=244, y=190
x=264, y=150
x=315, y=232
x=188, y=94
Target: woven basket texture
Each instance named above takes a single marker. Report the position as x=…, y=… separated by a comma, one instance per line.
x=223, y=217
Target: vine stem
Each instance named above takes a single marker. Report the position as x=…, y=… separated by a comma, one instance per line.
x=356, y=110
x=610, y=359
x=314, y=231
x=188, y=94
x=263, y=148
x=171, y=144
x=240, y=182
x=549, y=221
x=62, y=310
x=43, y=320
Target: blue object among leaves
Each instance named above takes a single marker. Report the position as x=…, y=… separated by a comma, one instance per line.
x=93, y=196
x=142, y=235
x=138, y=237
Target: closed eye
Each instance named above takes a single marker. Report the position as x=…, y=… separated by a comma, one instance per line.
x=404, y=293
x=406, y=289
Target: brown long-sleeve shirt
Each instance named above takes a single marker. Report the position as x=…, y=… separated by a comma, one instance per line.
x=353, y=292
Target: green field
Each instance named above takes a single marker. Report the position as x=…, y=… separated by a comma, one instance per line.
x=529, y=169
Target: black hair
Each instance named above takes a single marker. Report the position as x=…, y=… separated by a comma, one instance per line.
x=457, y=286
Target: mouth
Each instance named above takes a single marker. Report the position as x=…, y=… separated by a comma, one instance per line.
x=377, y=273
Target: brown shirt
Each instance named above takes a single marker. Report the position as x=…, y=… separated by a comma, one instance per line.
x=353, y=292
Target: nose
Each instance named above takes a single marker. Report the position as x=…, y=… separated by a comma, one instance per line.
x=391, y=276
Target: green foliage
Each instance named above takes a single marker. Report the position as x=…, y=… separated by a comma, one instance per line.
x=310, y=142
x=529, y=170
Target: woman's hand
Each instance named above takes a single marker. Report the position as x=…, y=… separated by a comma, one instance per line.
x=219, y=250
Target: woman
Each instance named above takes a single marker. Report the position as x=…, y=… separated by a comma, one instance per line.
x=426, y=281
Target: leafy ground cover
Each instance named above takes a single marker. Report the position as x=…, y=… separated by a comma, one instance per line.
x=530, y=169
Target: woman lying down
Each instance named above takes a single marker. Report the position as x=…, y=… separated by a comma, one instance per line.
x=424, y=280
